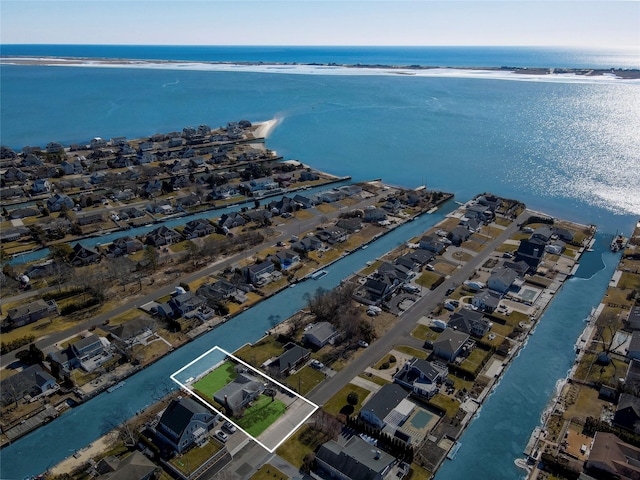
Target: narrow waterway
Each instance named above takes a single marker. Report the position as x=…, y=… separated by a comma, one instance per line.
x=502, y=428
x=87, y=422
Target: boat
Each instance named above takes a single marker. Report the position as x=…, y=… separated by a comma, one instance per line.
x=115, y=387
x=618, y=243
x=318, y=275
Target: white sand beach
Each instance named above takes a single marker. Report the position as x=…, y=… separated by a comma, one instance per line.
x=265, y=128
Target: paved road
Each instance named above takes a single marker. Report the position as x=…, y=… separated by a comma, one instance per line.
x=286, y=229
x=400, y=334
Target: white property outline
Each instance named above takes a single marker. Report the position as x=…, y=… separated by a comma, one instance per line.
x=236, y=359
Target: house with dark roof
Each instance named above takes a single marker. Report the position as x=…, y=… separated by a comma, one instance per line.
x=287, y=258
x=355, y=460
x=530, y=252
x=486, y=300
x=374, y=215
x=129, y=333
x=422, y=376
x=91, y=352
x=232, y=220
x=632, y=377
x=83, y=256
x=162, y=236
x=459, y=234
x=307, y=244
x=184, y=303
x=236, y=395
x=382, y=403
x=543, y=232
x=259, y=273
x=89, y=218
x=31, y=382
x=31, y=312
x=302, y=201
x=449, y=344
x=610, y=457
x=198, y=228
x=59, y=200
x=633, y=351
x=350, y=225
x=377, y=290
x=124, y=246
x=319, y=334
x=627, y=413
x=133, y=467
x=293, y=356
x=432, y=243
x=470, y=321
x=185, y=422
x=633, y=319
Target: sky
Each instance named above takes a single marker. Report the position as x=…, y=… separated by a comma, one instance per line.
x=575, y=23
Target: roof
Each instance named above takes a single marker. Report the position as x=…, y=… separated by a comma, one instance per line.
x=385, y=400
x=236, y=392
x=133, y=467
x=357, y=459
x=322, y=331
x=131, y=328
x=291, y=356
x=611, y=454
x=450, y=341
x=179, y=413
x=24, y=382
x=23, y=310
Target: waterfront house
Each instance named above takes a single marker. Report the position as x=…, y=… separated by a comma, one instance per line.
x=198, y=228
x=355, y=460
x=459, y=234
x=162, y=236
x=308, y=176
x=237, y=395
x=259, y=273
x=286, y=258
x=432, y=243
x=610, y=457
x=530, y=252
x=293, y=356
x=374, y=215
x=135, y=466
x=501, y=279
x=185, y=422
x=307, y=244
x=218, y=290
x=627, y=414
x=83, y=256
x=385, y=405
x=351, y=225
x=88, y=218
x=124, y=246
x=31, y=312
x=91, y=352
x=132, y=332
x=59, y=200
x=31, y=383
x=130, y=212
x=232, y=220
x=543, y=232
x=449, y=344
x=471, y=322
x=319, y=334
x=422, y=377
x=185, y=302
x=479, y=211
x=486, y=300
x=41, y=185
x=302, y=201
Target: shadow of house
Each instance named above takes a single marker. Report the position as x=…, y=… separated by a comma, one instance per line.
x=237, y=395
x=31, y=383
x=185, y=422
x=293, y=356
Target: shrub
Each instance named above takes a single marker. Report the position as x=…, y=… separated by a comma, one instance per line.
x=384, y=366
x=352, y=398
x=392, y=359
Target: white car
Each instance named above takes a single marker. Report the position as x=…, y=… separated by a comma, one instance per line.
x=220, y=435
x=317, y=364
x=363, y=344
x=229, y=427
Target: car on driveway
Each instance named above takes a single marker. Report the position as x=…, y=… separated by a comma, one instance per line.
x=318, y=365
x=363, y=344
x=220, y=435
x=229, y=427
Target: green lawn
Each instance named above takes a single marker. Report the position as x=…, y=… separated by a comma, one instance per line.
x=194, y=458
x=268, y=472
x=448, y=404
x=260, y=351
x=305, y=380
x=261, y=415
x=412, y=351
x=304, y=441
x=375, y=379
x=215, y=380
x=423, y=332
x=338, y=403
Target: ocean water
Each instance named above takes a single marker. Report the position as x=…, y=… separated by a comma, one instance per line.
x=565, y=146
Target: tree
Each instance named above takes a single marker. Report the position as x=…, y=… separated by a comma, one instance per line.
x=32, y=356
x=352, y=398
x=151, y=256
x=60, y=252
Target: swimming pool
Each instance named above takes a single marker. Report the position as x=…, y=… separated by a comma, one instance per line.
x=421, y=419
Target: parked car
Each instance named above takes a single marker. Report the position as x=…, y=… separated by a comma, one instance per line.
x=449, y=306
x=220, y=435
x=317, y=364
x=229, y=427
x=450, y=291
x=411, y=289
x=363, y=344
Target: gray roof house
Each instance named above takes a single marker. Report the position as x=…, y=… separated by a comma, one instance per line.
x=91, y=352
x=133, y=467
x=83, y=255
x=610, y=457
x=471, y=322
x=356, y=460
x=292, y=356
x=633, y=320
x=449, y=344
x=235, y=396
x=31, y=312
x=259, y=273
x=486, y=300
x=422, y=376
x=501, y=279
x=185, y=422
x=382, y=403
x=627, y=414
x=56, y=202
x=32, y=381
x=319, y=334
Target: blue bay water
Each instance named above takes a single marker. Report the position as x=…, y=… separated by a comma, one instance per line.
x=567, y=148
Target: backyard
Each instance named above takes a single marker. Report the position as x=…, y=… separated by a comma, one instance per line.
x=263, y=412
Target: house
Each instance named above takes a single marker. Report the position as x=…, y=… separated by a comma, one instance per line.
x=471, y=322
x=133, y=467
x=422, y=257
x=543, y=233
x=198, y=228
x=129, y=333
x=185, y=302
x=235, y=396
x=384, y=402
x=421, y=376
x=520, y=267
x=259, y=216
x=479, y=211
x=124, y=246
x=58, y=201
x=220, y=290
x=432, y=243
x=8, y=193
x=308, y=176
x=355, y=460
x=292, y=356
x=31, y=312
x=633, y=319
x=286, y=258
x=350, y=225
x=72, y=166
x=40, y=270
x=13, y=234
x=459, y=234
x=530, y=251
x=319, y=334
x=130, y=212
x=632, y=377
x=232, y=220
x=501, y=279
x=83, y=256
x=41, y=185
x=610, y=457
x=185, y=422
x=449, y=344
x=302, y=201
x=23, y=212
x=259, y=273
x=91, y=352
x=89, y=218
x=31, y=383
x=374, y=215
x=162, y=236
x=14, y=175
x=633, y=351
x=307, y=244
x=627, y=413
x=486, y=300
x=379, y=289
